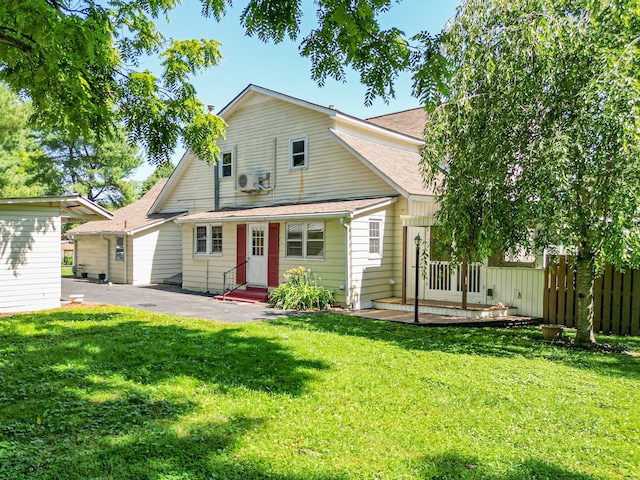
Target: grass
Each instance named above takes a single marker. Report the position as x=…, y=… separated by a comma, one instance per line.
x=116, y=393
x=67, y=271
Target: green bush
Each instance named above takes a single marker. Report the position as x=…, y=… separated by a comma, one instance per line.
x=300, y=291
x=67, y=261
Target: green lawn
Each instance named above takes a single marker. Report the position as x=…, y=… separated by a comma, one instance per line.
x=67, y=271
x=115, y=393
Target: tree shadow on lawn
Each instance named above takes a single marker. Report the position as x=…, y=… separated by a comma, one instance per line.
x=85, y=398
x=454, y=465
x=524, y=342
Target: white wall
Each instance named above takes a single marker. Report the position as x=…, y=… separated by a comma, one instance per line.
x=157, y=254
x=508, y=282
x=29, y=258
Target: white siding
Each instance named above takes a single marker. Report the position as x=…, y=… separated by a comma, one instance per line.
x=260, y=128
x=157, y=254
x=520, y=287
x=29, y=258
x=206, y=273
x=193, y=191
x=371, y=275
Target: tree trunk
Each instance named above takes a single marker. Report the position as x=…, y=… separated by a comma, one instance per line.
x=464, y=282
x=585, y=274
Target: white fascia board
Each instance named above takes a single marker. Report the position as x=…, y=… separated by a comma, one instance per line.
x=353, y=152
x=381, y=130
x=268, y=218
x=156, y=224
x=228, y=109
x=386, y=203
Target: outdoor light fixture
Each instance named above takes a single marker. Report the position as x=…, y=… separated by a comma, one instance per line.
x=415, y=305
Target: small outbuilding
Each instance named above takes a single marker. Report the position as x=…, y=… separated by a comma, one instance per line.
x=30, y=229
x=135, y=247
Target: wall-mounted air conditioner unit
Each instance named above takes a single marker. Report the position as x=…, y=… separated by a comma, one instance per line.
x=248, y=182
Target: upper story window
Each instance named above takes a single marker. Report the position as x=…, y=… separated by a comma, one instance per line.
x=298, y=152
x=120, y=249
x=374, y=237
x=226, y=164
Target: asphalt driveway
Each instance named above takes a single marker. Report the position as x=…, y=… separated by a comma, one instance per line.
x=170, y=300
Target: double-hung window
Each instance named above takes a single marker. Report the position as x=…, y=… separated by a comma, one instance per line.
x=226, y=164
x=305, y=240
x=298, y=152
x=120, y=249
x=207, y=240
x=375, y=248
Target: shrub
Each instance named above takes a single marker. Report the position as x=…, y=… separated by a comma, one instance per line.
x=300, y=291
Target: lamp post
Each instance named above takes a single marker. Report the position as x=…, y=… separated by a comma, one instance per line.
x=415, y=305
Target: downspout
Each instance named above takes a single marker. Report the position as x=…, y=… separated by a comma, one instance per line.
x=347, y=285
x=216, y=186
x=106, y=277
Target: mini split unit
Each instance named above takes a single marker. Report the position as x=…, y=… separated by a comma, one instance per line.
x=248, y=182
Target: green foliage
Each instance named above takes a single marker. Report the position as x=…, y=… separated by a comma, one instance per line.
x=124, y=394
x=78, y=61
x=300, y=291
x=163, y=170
x=533, y=130
x=98, y=170
x=17, y=146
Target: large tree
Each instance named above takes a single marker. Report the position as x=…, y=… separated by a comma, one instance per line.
x=78, y=61
x=17, y=146
x=534, y=132
x=99, y=170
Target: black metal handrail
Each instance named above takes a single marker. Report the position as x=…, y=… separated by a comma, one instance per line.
x=230, y=278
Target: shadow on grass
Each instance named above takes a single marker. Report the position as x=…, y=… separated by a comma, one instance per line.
x=102, y=395
x=466, y=467
x=497, y=342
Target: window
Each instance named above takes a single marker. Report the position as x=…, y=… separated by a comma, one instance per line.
x=207, y=240
x=305, y=240
x=226, y=164
x=298, y=150
x=374, y=237
x=216, y=239
x=120, y=249
x=518, y=258
x=201, y=239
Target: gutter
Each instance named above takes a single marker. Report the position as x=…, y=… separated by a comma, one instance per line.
x=347, y=285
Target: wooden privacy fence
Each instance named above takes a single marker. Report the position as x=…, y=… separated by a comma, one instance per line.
x=616, y=302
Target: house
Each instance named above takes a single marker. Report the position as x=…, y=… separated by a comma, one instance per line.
x=299, y=184
x=30, y=231
x=134, y=247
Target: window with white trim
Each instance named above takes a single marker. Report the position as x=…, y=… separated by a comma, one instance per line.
x=207, y=240
x=119, y=249
x=226, y=164
x=374, y=237
x=216, y=239
x=305, y=240
x=298, y=152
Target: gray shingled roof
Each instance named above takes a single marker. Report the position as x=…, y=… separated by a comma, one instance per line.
x=130, y=218
x=410, y=122
x=400, y=166
x=298, y=210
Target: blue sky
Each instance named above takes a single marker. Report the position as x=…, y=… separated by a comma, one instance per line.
x=281, y=68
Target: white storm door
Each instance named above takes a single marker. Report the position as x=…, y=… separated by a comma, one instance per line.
x=257, y=254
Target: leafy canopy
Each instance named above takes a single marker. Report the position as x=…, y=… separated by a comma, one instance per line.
x=539, y=124
x=79, y=62
x=535, y=122
x=99, y=170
